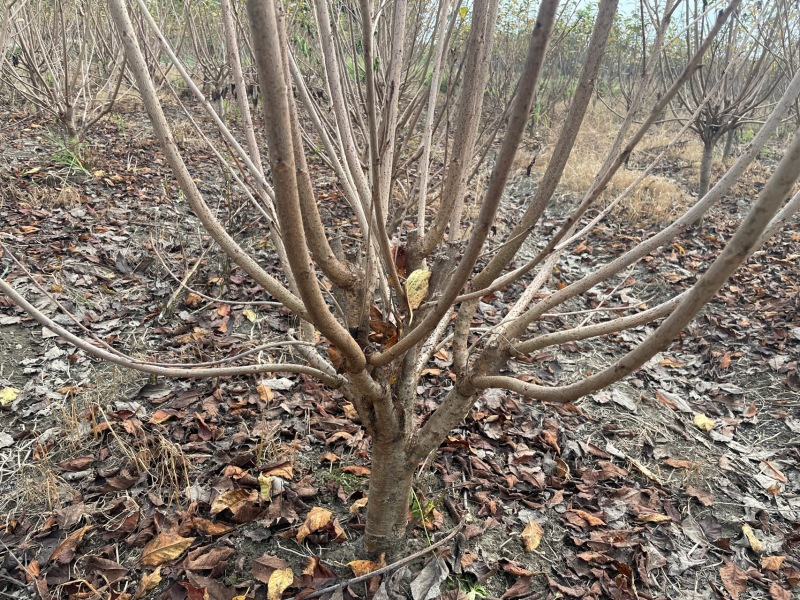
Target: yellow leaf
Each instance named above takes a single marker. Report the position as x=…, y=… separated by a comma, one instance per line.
x=164, y=548
x=32, y=171
x=265, y=481
x=417, y=287
x=703, y=422
x=755, y=543
x=278, y=582
x=316, y=519
x=8, y=395
x=249, y=314
x=358, y=505
x=265, y=392
x=364, y=567
x=532, y=536
x=148, y=582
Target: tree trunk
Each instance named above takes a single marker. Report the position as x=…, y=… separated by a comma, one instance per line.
x=729, y=139
x=389, y=492
x=705, y=168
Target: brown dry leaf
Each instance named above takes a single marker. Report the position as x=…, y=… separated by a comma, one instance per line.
x=164, y=548
x=776, y=592
x=703, y=423
x=532, y=536
x=192, y=300
x=329, y=457
x=772, y=563
x=208, y=560
x=364, y=567
x=77, y=464
x=774, y=472
x=725, y=361
x=336, y=358
x=233, y=500
x=278, y=582
x=652, y=518
x=210, y=528
x=265, y=392
x=356, y=507
x=733, y=578
x=316, y=519
x=264, y=566
x=147, y=583
x=65, y=551
x=703, y=497
x=550, y=438
x=588, y=517
x=357, y=470
x=755, y=543
x=282, y=469
x=750, y=411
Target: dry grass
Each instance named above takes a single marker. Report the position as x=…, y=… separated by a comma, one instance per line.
x=656, y=200
x=41, y=196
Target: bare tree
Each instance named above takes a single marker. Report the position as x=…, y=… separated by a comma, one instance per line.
x=735, y=80
x=388, y=320
x=63, y=63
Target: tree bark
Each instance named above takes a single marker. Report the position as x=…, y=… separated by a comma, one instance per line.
x=729, y=139
x=705, y=168
x=389, y=492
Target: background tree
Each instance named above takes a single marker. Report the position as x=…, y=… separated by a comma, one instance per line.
x=63, y=63
x=737, y=78
x=401, y=287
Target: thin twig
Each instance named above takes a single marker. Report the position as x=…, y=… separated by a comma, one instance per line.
x=391, y=567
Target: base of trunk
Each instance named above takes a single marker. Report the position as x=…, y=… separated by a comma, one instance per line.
x=389, y=494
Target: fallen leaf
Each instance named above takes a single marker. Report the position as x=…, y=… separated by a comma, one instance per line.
x=588, y=517
x=8, y=395
x=192, y=300
x=733, y=578
x=364, y=567
x=316, y=519
x=233, y=500
x=357, y=470
x=652, y=518
x=703, y=497
x=163, y=548
x=427, y=585
x=356, y=507
x=65, y=551
x=755, y=543
x=265, y=392
x=678, y=463
x=776, y=592
x=703, y=423
x=264, y=566
x=774, y=472
x=532, y=536
x=772, y=563
x=278, y=582
x=249, y=314
x=148, y=582
x=265, y=483
x=209, y=560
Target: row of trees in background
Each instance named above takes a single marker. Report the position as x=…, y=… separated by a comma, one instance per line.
x=418, y=109
x=59, y=58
